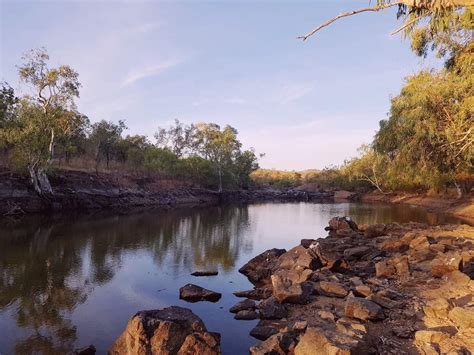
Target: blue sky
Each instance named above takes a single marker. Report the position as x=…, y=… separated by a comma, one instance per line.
x=304, y=104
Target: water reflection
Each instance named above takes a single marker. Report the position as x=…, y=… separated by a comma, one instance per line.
x=69, y=281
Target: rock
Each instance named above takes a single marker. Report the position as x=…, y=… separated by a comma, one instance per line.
x=272, y=309
x=375, y=230
x=315, y=341
x=259, y=269
x=419, y=243
x=351, y=327
x=194, y=293
x=298, y=257
x=243, y=305
x=383, y=269
x=246, y=314
x=326, y=315
x=172, y=330
x=437, y=308
x=462, y=317
x=362, y=291
x=205, y=273
x=356, y=252
x=277, y=344
x=342, y=224
x=430, y=336
x=363, y=309
x=288, y=287
x=446, y=263
x=88, y=350
x=264, y=331
x=299, y=326
x=329, y=258
x=384, y=301
x=201, y=343
x=255, y=294
x=305, y=243
x=356, y=281
x=333, y=289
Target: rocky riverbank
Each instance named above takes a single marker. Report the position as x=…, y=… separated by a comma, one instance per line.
x=81, y=191
x=379, y=289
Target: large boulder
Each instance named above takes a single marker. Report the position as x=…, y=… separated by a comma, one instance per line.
x=194, y=293
x=298, y=258
x=259, y=269
x=172, y=330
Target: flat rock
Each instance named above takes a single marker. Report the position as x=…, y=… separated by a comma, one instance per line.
x=246, y=314
x=255, y=294
x=446, y=263
x=289, y=286
x=333, y=289
x=243, y=305
x=263, y=332
x=194, y=293
x=316, y=341
x=363, y=309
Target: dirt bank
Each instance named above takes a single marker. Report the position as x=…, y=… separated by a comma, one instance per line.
x=463, y=207
x=77, y=191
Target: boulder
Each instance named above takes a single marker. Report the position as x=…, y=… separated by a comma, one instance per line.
x=288, y=286
x=316, y=341
x=420, y=243
x=328, y=257
x=172, y=330
x=298, y=257
x=246, y=314
x=194, y=293
x=363, y=309
x=265, y=329
x=446, y=263
x=243, y=306
x=272, y=309
x=277, y=344
x=342, y=224
x=333, y=289
x=259, y=269
x=255, y=294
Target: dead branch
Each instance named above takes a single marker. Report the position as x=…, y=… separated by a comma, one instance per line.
x=347, y=14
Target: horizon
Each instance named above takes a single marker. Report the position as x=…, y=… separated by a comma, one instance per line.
x=305, y=105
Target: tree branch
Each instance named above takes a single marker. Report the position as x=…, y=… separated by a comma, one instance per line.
x=409, y=23
x=347, y=14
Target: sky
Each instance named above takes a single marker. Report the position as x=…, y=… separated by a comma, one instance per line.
x=306, y=105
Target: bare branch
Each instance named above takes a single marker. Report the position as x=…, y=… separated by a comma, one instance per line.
x=347, y=14
x=409, y=23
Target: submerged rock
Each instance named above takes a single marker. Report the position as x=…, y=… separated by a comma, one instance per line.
x=172, y=330
x=205, y=273
x=194, y=293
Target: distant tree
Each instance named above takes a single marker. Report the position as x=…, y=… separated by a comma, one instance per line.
x=177, y=138
x=105, y=137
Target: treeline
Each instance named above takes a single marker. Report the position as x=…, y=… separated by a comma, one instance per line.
x=44, y=130
x=427, y=141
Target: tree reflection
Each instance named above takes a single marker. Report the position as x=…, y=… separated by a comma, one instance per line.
x=50, y=266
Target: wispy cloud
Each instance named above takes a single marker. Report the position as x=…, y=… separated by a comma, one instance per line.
x=149, y=71
x=295, y=91
x=234, y=100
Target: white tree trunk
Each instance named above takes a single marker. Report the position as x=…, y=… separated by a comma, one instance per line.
x=40, y=181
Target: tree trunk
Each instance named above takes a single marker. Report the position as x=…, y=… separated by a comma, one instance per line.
x=220, y=178
x=40, y=181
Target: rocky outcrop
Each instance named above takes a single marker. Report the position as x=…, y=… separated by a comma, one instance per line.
x=394, y=288
x=172, y=330
x=260, y=268
x=194, y=293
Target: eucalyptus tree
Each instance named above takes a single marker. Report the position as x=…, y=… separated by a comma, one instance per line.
x=43, y=116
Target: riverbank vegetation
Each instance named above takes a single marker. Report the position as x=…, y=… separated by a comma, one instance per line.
x=427, y=141
x=43, y=131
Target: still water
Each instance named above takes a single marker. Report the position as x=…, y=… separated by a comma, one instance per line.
x=67, y=282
